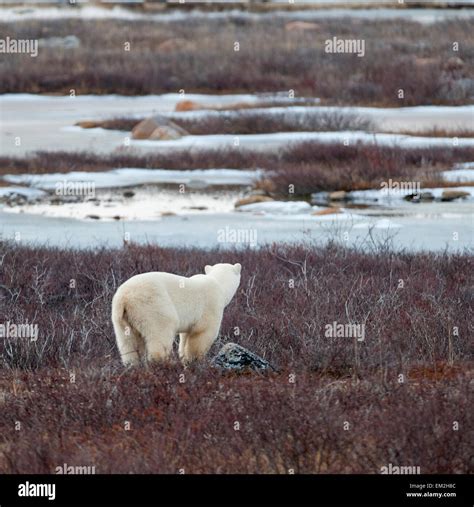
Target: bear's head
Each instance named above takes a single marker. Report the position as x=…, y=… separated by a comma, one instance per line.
x=228, y=277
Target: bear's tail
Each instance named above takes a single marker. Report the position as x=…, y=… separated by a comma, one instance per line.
x=125, y=334
x=119, y=319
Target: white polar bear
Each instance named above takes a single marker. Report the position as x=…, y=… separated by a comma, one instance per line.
x=150, y=309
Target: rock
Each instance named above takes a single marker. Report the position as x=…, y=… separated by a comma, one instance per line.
x=58, y=200
x=177, y=44
x=426, y=196
x=339, y=195
x=236, y=358
x=168, y=214
x=68, y=42
x=327, y=211
x=252, y=199
x=412, y=197
x=88, y=124
x=451, y=195
x=14, y=199
x=164, y=121
x=93, y=217
x=144, y=129
x=299, y=26
x=128, y=194
x=165, y=133
x=454, y=63
x=157, y=127
x=187, y=105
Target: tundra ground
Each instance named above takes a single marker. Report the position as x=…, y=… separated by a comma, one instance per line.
x=338, y=404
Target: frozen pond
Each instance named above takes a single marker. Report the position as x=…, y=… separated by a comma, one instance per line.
x=39, y=122
x=206, y=217
x=445, y=226
x=157, y=214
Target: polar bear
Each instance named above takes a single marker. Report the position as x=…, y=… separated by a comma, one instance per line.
x=150, y=309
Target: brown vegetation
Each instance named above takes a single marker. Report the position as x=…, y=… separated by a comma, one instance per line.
x=308, y=166
x=403, y=55
x=252, y=121
x=73, y=398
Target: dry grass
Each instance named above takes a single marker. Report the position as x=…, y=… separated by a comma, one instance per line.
x=284, y=425
x=246, y=122
x=304, y=167
x=402, y=55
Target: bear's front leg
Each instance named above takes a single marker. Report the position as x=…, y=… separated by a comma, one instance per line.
x=197, y=344
x=183, y=337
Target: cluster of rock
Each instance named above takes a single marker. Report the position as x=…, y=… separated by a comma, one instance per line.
x=13, y=199
x=341, y=196
x=259, y=195
x=252, y=199
x=160, y=127
x=446, y=196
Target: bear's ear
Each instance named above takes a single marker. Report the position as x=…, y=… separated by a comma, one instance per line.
x=237, y=268
x=207, y=269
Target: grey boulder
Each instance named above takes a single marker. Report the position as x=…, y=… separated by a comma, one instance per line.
x=234, y=357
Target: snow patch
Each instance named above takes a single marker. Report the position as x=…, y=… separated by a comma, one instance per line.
x=133, y=176
x=381, y=196
x=277, y=207
x=461, y=173
x=262, y=142
x=425, y=16
x=383, y=223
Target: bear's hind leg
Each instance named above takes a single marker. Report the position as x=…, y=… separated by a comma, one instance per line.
x=128, y=344
x=159, y=343
x=183, y=338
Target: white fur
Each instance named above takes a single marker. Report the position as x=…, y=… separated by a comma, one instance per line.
x=150, y=309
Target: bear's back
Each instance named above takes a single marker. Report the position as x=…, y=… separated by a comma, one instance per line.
x=159, y=284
